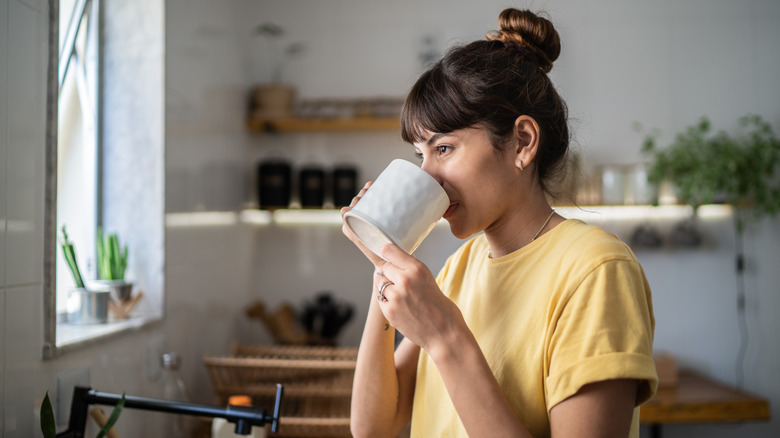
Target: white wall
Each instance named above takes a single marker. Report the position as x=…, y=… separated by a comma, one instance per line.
x=23, y=36
x=663, y=63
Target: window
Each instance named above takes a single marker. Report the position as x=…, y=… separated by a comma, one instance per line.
x=105, y=155
x=77, y=134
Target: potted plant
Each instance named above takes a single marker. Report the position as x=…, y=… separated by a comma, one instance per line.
x=84, y=305
x=705, y=166
x=742, y=170
x=274, y=99
x=112, y=264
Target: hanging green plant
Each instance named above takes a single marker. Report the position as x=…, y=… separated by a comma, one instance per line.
x=706, y=166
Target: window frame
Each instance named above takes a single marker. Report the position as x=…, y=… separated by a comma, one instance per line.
x=146, y=240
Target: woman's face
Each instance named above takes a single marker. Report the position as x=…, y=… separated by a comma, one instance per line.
x=480, y=180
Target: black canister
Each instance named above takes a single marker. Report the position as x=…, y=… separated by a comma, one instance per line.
x=311, y=187
x=344, y=185
x=274, y=184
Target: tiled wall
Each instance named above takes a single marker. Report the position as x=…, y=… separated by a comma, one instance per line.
x=23, y=51
x=3, y=190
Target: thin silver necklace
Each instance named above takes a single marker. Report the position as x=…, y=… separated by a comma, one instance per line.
x=552, y=212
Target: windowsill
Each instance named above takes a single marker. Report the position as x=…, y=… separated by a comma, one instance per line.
x=73, y=336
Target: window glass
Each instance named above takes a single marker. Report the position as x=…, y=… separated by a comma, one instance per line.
x=77, y=144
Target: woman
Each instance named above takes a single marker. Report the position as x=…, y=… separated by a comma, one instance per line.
x=538, y=326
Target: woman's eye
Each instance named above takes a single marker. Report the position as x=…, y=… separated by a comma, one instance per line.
x=443, y=149
x=419, y=155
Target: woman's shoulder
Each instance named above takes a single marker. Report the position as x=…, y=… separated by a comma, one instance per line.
x=581, y=240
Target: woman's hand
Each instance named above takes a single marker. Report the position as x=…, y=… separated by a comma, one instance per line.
x=413, y=302
x=373, y=258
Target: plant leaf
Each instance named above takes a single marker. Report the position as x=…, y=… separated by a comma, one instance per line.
x=101, y=255
x=70, y=257
x=48, y=425
x=116, y=257
x=113, y=418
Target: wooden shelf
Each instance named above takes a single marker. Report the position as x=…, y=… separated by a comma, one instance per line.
x=325, y=125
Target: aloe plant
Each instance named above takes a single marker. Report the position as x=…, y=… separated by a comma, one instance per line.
x=112, y=261
x=70, y=257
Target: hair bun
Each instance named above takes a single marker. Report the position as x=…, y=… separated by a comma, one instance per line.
x=526, y=29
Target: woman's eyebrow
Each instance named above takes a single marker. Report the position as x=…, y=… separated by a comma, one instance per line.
x=434, y=138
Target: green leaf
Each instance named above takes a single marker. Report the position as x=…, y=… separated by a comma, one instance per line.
x=70, y=257
x=112, y=262
x=113, y=417
x=48, y=424
x=103, y=270
x=706, y=166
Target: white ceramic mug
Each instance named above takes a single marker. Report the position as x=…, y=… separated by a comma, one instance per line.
x=402, y=206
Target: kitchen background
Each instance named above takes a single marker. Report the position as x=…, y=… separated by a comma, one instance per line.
x=663, y=63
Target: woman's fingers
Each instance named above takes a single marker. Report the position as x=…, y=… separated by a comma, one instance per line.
x=398, y=257
x=356, y=199
x=360, y=194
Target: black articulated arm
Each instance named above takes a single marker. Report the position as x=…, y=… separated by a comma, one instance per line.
x=244, y=417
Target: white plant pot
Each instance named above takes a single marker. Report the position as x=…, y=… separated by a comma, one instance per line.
x=120, y=290
x=87, y=306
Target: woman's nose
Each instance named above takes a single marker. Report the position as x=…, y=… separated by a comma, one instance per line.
x=432, y=171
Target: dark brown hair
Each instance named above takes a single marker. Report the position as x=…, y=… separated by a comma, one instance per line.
x=490, y=83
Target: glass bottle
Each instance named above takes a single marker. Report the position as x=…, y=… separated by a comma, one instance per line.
x=174, y=390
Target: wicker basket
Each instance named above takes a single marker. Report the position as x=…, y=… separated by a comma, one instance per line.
x=317, y=385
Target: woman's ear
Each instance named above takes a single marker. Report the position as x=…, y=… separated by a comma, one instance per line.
x=526, y=138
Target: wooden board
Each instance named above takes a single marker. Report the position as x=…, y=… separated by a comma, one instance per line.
x=698, y=399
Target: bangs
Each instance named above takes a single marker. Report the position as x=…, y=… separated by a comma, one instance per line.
x=435, y=104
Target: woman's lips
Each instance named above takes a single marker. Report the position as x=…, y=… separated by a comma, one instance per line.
x=450, y=209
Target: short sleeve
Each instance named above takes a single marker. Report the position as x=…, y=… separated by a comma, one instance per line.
x=603, y=330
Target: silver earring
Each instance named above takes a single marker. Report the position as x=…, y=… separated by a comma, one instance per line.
x=521, y=166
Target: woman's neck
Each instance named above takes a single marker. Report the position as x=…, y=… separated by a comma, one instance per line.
x=521, y=226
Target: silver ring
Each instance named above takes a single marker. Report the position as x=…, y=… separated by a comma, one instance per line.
x=381, y=295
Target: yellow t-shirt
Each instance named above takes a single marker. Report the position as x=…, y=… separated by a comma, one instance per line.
x=571, y=308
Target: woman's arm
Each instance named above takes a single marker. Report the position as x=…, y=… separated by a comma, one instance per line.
x=383, y=387
x=600, y=409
